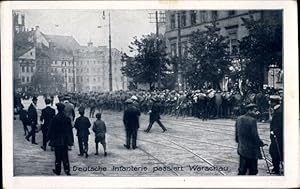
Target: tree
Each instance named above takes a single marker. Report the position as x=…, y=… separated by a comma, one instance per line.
x=146, y=64
x=260, y=49
x=209, y=60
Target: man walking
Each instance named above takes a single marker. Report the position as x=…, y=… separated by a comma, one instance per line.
x=47, y=115
x=155, y=116
x=82, y=124
x=276, y=134
x=249, y=143
x=131, y=123
x=69, y=108
x=61, y=136
x=32, y=120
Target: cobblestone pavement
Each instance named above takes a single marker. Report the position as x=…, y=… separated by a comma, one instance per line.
x=190, y=147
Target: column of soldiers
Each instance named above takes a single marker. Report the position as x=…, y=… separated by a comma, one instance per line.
x=204, y=103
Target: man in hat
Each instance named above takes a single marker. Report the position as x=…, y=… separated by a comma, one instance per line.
x=69, y=108
x=249, y=143
x=32, y=120
x=46, y=117
x=276, y=134
x=61, y=136
x=131, y=123
x=82, y=125
x=155, y=115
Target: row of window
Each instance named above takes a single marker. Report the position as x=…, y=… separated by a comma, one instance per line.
x=26, y=79
x=27, y=69
x=203, y=17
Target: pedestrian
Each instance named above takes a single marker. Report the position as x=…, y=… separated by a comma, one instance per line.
x=131, y=123
x=69, y=109
x=99, y=129
x=82, y=125
x=249, y=143
x=61, y=136
x=24, y=118
x=32, y=120
x=276, y=134
x=155, y=116
x=47, y=115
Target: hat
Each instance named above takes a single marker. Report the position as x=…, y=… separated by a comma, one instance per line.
x=250, y=106
x=60, y=106
x=275, y=98
x=129, y=101
x=81, y=109
x=34, y=98
x=67, y=97
x=47, y=101
x=134, y=98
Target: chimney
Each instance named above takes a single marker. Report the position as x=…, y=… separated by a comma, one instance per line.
x=90, y=44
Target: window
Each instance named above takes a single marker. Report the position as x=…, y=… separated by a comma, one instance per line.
x=23, y=79
x=203, y=16
x=70, y=79
x=69, y=70
x=31, y=68
x=55, y=70
x=233, y=39
x=193, y=15
x=231, y=13
x=23, y=69
x=183, y=19
x=172, y=21
x=214, y=15
x=184, y=49
x=27, y=78
x=27, y=69
x=173, y=49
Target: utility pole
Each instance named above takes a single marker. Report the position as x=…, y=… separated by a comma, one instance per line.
x=179, y=76
x=109, y=58
x=158, y=20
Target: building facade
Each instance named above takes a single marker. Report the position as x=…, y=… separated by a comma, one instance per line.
x=229, y=22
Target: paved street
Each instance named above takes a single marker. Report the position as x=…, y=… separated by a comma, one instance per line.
x=190, y=147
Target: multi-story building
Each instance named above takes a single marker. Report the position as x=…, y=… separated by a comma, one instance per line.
x=92, y=69
x=229, y=22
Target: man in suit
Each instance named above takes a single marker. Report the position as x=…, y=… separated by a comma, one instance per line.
x=69, y=108
x=82, y=124
x=131, y=123
x=276, y=134
x=61, y=136
x=47, y=115
x=32, y=120
x=155, y=115
x=249, y=143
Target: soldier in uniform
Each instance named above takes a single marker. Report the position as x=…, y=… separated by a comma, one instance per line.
x=249, y=143
x=131, y=123
x=276, y=134
x=155, y=115
x=82, y=124
x=47, y=115
x=33, y=118
x=61, y=136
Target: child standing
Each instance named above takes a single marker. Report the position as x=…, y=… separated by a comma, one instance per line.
x=100, y=129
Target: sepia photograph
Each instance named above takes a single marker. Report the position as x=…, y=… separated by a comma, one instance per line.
x=148, y=93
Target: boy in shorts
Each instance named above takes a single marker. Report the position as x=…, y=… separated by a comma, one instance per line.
x=99, y=129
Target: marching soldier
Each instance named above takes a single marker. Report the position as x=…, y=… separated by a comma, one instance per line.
x=155, y=116
x=131, y=123
x=33, y=118
x=61, y=136
x=276, y=134
x=249, y=143
x=47, y=115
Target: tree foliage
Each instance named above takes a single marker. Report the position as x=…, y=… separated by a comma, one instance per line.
x=144, y=66
x=260, y=49
x=209, y=60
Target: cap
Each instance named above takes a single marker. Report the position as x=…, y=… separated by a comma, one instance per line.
x=81, y=109
x=129, y=101
x=47, y=101
x=67, y=97
x=251, y=105
x=275, y=98
x=135, y=98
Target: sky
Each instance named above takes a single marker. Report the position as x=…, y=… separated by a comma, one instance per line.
x=83, y=25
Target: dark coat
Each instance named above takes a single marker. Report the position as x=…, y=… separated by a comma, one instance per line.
x=32, y=115
x=69, y=110
x=60, y=131
x=246, y=136
x=155, y=112
x=47, y=115
x=82, y=124
x=131, y=118
x=277, y=127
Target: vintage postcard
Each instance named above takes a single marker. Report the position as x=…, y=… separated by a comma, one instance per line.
x=150, y=94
